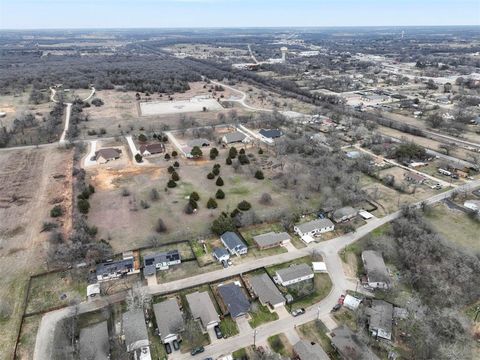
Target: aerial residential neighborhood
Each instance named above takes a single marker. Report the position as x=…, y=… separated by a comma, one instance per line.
x=239, y=180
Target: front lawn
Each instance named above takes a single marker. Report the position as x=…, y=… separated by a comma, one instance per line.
x=229, y=327
x=260, y=315
x=322, y=286
x=280, y=344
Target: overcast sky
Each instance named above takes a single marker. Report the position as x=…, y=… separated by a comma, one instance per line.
x=36, y=14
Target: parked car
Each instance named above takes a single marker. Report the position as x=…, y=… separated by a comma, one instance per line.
x=176, y=345
x=336, y=308
x=298, y=312
x=168, y=348
x=225, y=264
x=218, y=332
x=197, y=350
x=229, y=262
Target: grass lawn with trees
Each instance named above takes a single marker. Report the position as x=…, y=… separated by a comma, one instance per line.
x=280, y=344
x=260, y=315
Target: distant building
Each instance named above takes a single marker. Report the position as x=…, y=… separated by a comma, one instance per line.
x=294, y=274
x=306, y=350
x=198, y=142
x=235, y=137
x=234, y=299
x=161, y=261
x=271, y=239
x=267, y=292
x=344, y=214
x=271, y=133
x=202, y=308
x=233, y=243
x=103, y=156
x=378, y=276
x=414, y=177
x=380, y=318
x=151, y=149
x=169, y=320
x=115, y=269
x=94, y=343
x=312, y=228
x=221, y=254
x=136, y=335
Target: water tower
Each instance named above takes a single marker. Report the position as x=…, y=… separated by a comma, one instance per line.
x=284, y=51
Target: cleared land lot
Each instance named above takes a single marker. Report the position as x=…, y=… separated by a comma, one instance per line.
x=30, y=181
x=455, y=226
x=179, y=106
x=125, y=224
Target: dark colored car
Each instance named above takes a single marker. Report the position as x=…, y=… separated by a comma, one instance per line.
x=168, y=348
x=218, y=332
x=176, y=345
x=336, y=308
x=197, y=350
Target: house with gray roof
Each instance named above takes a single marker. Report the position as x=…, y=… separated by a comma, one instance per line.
x=233, y=243
x=306, y=350
x=160, y=261
x=234, y=299
x=198, y=142
x=378, y=276
x=294, y=274
x=202, y=308
x=115, y=269
x=135, y=333
x=105, y=155
x=235, y=137
x=314, y=227
x=344, y=214
x=221, y=254
x=349, y=345
x=271, y=239
x=94, y=343
x=380, y=319
x=169, y=320
x=267, y=292
x=271, y=133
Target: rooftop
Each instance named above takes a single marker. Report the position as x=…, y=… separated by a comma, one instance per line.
x=271, y=133
x=202, y=307
x=114, y=266
x=235, y=136
x=108, y=153
x=350, y=346
x=309, y=351
x=266, y=290
x=271, y=238
x=381, y=315
x=375, y=266
x=135, y=330
x=169, y=317
x=94, y=343
x=294, y=272
x=234, y=299
x=232, y=240
x=314, y=225
x=150, y=261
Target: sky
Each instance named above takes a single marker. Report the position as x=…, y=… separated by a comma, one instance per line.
x=47, y=14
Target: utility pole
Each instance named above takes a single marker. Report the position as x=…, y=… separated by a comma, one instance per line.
x=254, y=338
x=318, y=312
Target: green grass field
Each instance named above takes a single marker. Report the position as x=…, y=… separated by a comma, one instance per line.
x=261, y=315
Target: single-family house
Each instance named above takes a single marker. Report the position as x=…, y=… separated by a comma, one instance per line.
x=473, y=205
x=306, y=350
x=221, y=254
x=378, y=276
x=135, y=334
x=380, y=319
x=161, y=261
x=94, y=343
x=198, y=142
x=271, y=133
x=105, y=155
x=233, y=243
x=147, y=150
x=267, y=292
x=314, y=227
x=349, y=345
x=115, y=269
x=235, y=137
x=294, y=274
x=271, y=239
x=202, y=309
x=234, y=299
x=344, y=214
x=414, y=177
x=169, y=320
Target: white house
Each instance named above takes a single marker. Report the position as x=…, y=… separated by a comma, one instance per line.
x=294, y=274
x=472, y=205
x=221, y=254
x=233, y=243
x=312, y=228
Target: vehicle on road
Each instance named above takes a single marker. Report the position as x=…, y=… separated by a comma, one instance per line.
x=298, y=312
x=197, y=350
x=218, y=332
x=336, y=308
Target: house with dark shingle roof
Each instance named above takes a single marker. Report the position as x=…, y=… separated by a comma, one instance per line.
x=344, y=214
x=271, y=133
x=105, y=155
x=161, y=261
x=349, y=345
x=94, y=343
x=267, y=292
x=234, y=299
x=115, y=269
x=233, y=243
x=221, y=254
x=151, y=149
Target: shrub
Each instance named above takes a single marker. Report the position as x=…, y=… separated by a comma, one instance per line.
x=83, y=206
x=175, y=176
x=213, y=153
x=85, y=194
x=220, y=194
x=243, y=159
x=142, y=138
x=160, y=227
x=219, y=181
x=125, y=192
x=228, y=161
x=154, y=195
x=144, y=204
x=171, y=184
x=211, y=204
x=234, y=213
x=242, y=152
x=138, y=158
x=266, y=199
x=244, y=205
x=49, y=226
x=171, y=169
x=174, y=153
x=56, y=211
x=91, y=189
x=222, y=224
x=193, y=203
x=194, y=196
x=189, y=209
x=196, y=152
x=232, y=153
x=215, y=171
x=176, y=164
x=167, y=156
x=210, y=176
x=97, y=102
x=259, y=175
x=260, y=151
x=217, y=166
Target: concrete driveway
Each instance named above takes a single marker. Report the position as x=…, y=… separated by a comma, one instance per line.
x=282, y=312
x=243, y=325
x=289, y=246
x=87, y=161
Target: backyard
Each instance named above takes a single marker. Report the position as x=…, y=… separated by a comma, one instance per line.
x=317, y=332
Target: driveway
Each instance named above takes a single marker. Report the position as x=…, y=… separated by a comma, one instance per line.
x=151, y=280
x=87, y=162
x=243, y=325
x=289, y=246
x=282, y=312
